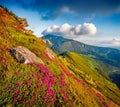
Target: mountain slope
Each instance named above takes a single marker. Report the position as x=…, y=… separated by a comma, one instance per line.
x=58, y=81
x=107, y=55
x=85, y=67
x=104, y=56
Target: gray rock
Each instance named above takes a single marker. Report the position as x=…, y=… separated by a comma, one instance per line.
x=23, y=55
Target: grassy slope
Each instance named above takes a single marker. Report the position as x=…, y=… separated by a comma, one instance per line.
x=85, y=68
x=59, y=82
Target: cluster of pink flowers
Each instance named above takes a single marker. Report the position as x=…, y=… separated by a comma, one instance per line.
x=50, y=96
x=49, y=80
x=43, y=81
x=16, y=92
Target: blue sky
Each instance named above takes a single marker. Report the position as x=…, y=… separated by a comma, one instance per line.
x=95, y=22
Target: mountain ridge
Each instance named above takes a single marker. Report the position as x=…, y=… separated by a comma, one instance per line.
x=105, y=54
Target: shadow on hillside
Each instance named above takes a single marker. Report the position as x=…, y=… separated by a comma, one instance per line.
x=116, y=79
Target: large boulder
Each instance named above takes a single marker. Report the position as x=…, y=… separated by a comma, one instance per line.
x=23, y=55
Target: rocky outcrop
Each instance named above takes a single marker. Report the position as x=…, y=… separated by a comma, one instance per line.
x=23, y=22
x=23, y=55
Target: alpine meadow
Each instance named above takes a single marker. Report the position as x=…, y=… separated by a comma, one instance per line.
x=62, y=65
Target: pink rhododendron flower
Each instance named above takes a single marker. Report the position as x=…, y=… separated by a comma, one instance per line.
x=19, y=84
x=46, y=81
x=16, y=92
x=17, y=73
x=14, y=100
x=65, y=98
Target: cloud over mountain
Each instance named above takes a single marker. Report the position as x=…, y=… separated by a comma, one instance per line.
x=69, y=31
x=113, y=42
x=116, y=42
x=105, y=43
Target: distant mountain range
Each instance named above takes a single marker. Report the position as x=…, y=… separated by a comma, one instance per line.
x=116, y=47
x=105, y=54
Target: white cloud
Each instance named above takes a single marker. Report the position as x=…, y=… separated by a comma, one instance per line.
x=110, y=43
x=69, y=31
x=116, y=42
x=104, y=43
